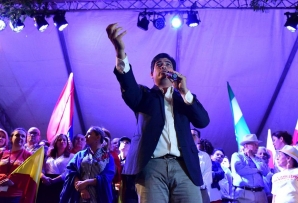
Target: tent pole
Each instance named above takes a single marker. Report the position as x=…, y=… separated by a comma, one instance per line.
x=69, y=70
x=278, y=87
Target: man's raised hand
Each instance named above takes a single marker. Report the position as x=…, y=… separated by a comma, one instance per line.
x=113, y=31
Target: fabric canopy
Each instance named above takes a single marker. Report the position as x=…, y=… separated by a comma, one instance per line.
x=245, y=48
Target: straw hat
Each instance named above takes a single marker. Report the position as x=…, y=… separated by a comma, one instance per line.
x=249, y=138
x=291, y=151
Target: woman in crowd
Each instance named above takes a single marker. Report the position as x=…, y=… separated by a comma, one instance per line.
x=11, y=188
x=284, y=183
x=3, y=139
x=90, y=173
x=280, y=139
x=78, y=143
x=263, y=153
x=55, y=166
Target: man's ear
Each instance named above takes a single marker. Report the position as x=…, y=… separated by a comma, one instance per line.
x=151, y=74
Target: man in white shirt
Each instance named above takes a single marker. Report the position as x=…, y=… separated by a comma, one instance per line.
x=162, y=154
x=205, y=165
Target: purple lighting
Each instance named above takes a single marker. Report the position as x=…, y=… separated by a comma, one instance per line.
x=176, y=21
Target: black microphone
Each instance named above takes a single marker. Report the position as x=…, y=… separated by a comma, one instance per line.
x=172, y=76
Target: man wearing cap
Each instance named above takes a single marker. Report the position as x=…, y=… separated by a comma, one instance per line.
x=163, y=155
x=124, y=146
x=248, y=171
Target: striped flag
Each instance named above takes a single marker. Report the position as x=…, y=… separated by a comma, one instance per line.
x=62, y=116
x=270, y=149
x=295, y=134
x=241, y=128
x=27, y=176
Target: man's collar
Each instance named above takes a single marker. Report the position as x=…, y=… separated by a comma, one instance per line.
x=171, y=89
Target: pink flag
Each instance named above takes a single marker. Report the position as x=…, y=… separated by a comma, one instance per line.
x=61, y=119
x=270, y=149
x=295, y=134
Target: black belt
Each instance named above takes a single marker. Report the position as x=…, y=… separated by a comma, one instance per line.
x=168, y=156
x=253, y=189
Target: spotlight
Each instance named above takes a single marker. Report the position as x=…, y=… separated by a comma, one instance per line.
x=159, y=22
x=2, y=24
x=192, y=20
x=17, y=25
x=292, y=21
x=41, y=23
x=144, y=22
x=60, y=21
x=176, y=21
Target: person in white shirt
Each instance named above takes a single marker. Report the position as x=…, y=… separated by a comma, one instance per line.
x=55, y=170
x=248, y=171
x=162, y=154
x=205, y=165
x=285, y=183
x=280, y=139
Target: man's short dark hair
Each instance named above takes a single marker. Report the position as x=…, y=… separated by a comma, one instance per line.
x=162, y=55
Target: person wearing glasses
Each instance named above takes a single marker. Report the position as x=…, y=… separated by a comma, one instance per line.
x=33, y=137
x=9, y=161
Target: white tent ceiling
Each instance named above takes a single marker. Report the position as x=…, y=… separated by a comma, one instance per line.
x=248, y=49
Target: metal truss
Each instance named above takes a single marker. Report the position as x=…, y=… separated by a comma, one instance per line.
x=168, y=4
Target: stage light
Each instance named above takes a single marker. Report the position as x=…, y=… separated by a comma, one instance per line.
x=40, y=23
x=176, y=21
x=292, y=21
x=16, y=25
x=192, y=20
x=2, y=24
x=60, y=21
x=159, y=21
x=143, y=23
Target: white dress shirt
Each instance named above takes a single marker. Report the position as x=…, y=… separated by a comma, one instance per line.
x=167, y=143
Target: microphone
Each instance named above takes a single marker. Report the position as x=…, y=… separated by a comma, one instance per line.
x=172, y=76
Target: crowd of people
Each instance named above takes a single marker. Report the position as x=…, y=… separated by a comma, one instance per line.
x=88, y=168
x=248, y=178
x=77, y=171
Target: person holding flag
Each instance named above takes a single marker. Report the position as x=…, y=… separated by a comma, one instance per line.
x=90, y=172
x=10, y=189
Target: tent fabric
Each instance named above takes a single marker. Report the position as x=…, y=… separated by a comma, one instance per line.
x=245, y=48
